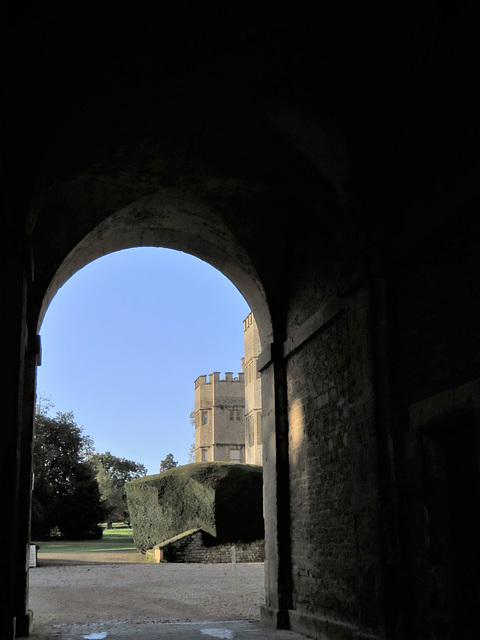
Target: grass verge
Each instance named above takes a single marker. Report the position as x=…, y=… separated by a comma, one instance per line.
x=114, y=540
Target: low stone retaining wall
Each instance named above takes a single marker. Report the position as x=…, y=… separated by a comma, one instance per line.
x=199, y=546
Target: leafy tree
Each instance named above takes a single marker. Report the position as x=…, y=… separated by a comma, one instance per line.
x=168, y=463
x=66, y=498
x=112, y=474
x=191, y=451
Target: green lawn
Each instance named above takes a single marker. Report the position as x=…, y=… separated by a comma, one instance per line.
x=117, y=539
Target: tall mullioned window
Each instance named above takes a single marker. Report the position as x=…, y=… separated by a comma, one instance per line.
x=250, y=371
x=235, y=455
x=235, y=414
x=249, y=428
x=204, y=417
x=259, y=428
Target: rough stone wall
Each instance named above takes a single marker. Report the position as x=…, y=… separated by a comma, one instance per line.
x=201, y=547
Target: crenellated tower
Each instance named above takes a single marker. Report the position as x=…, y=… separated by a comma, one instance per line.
x=220, y=418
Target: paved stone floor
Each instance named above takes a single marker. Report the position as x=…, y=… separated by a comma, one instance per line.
x=234, y=630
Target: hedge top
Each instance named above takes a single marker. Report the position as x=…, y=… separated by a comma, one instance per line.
x=202, y=470
x=222, y=498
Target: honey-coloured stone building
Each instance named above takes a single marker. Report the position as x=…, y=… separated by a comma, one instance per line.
x=253, y=392
x=219, y=418
x=228, y=411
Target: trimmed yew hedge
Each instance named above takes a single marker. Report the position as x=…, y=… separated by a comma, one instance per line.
x=222, y=498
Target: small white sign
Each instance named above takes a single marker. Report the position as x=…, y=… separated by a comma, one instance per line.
x=33, y=556
x=218, y=633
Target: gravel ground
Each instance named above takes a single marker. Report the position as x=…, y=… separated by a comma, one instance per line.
x=79, y=591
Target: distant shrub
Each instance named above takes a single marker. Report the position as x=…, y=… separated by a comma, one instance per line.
x=222, y=498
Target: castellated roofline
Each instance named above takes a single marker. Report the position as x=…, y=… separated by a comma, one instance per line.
x=215, y=377
x=248, y=321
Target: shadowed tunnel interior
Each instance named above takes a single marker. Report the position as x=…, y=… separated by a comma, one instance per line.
x=326, y=160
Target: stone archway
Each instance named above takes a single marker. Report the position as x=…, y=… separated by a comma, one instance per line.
x=167, y=220
x=164, y=220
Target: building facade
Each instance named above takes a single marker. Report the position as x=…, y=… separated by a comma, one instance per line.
x=228, y=412
x=253, y=392
x=219, y=418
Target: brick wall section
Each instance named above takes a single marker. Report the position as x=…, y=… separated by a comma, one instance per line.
x=201, y=547
x=323, y=534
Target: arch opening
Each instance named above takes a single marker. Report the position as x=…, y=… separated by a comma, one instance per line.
x=135, y=329
x=184, y=231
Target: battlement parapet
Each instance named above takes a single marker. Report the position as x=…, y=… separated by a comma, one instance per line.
x=215, y=377
x=248, y=321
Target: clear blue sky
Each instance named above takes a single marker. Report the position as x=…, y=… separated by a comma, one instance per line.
x=124, y=340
